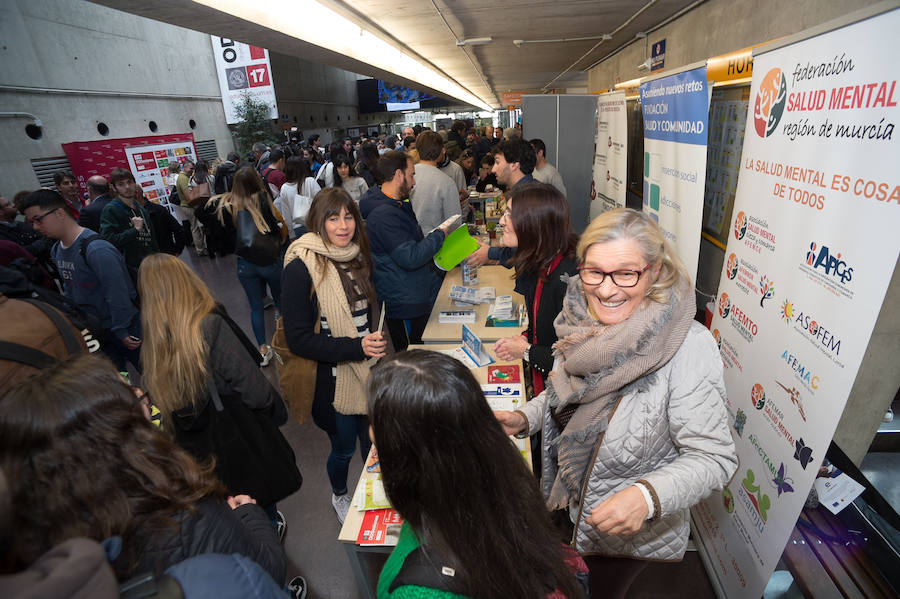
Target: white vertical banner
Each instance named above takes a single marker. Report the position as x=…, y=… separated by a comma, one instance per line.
x=610, y=160
x=676, y=110
x=243, y=69
x=811, y=251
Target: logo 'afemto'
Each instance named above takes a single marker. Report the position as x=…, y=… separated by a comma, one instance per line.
x=724, y=305
x=740, y=226
x=770, y=101
x=731, y=269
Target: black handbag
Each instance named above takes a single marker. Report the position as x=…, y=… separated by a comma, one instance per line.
x=252, y=456
x=254, y=246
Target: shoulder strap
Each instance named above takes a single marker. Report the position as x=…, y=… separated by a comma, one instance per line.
x=16, y=352
x=214, y=394
x=85, y=242
x=422, y=568
x=239, y=333
x=73, y=345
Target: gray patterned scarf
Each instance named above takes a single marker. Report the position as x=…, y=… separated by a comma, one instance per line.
x=596, y=362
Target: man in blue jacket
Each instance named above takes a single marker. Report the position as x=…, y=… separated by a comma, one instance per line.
x=406, y=279
x=93, y=272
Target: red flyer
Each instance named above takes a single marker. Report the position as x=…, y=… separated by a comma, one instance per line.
x=503, y=374
x=380, y=527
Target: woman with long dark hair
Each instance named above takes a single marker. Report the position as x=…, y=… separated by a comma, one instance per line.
x=192, y=353
x=536, y=222
x=368, y=158
x=329, y=301
x=297, y=193
x=248, y=193
x=474, y=520
x=347, y=179
x=82, y=460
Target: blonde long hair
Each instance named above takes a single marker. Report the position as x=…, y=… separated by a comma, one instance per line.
x=625, y=223
x=174, y=302
x=247, y=192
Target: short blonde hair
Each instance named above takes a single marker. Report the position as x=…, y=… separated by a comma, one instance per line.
x=625, y=223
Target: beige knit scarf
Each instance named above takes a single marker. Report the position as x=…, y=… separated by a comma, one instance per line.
x=597, y=362
x=349, y=390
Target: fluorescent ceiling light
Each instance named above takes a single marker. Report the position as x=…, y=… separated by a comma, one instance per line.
x=475, y=41
x=316, y=24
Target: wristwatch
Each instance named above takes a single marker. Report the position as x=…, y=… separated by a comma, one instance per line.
x=526, y=352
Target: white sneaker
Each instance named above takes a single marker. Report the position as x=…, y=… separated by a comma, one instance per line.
x=267, y=356
x=341, y=505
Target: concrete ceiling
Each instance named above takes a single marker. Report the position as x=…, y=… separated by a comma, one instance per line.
x=431, y=28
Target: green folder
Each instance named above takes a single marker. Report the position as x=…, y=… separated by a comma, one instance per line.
x=458, y=246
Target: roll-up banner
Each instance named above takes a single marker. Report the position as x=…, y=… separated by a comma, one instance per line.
x=610, y=159
x=811, y=251
x=150, y=166
x=676, y=109
x=243, y=69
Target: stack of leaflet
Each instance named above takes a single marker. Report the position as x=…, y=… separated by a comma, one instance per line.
x=469, y=296
x=503, y=313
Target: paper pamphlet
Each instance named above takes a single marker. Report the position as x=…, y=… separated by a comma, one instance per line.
x=503, y=396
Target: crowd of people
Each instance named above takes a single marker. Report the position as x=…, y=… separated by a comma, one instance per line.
x=181, y=475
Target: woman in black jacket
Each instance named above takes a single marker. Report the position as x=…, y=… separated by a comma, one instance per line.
x=536, y=222
x=328, y=301
x=82, y=460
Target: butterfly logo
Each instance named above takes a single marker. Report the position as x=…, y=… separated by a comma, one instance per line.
x=782, y=483
x=802, y=454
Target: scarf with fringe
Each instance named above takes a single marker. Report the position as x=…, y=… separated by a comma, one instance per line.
x=350, y=383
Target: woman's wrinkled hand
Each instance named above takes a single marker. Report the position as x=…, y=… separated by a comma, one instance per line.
x=511, y=348
x=512, y=422
x=622, y=514
x=374, y=345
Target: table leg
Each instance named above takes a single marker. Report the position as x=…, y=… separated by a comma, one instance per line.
x=366, y=588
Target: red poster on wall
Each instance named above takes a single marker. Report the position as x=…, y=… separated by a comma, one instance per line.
x=89, y=158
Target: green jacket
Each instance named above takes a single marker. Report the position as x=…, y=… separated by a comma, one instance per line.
x=115, y=227
x=406, y=544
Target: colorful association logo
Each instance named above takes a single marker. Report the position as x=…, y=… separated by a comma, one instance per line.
x=766, y=288
x=731, y=268
x=740, y=225
x=758, y=396
x=782, y=482
x=718, y=337
x=801, y=371
x=724, y=305
x=787, y=311
x=728, y=500
x=761, y=502
x=821, y=258
x=740, y=419
x=802, y=453
x=794, y=394
x=770, y=101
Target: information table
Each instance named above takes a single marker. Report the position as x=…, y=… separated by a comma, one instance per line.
x=498, y=277
x=352, y=523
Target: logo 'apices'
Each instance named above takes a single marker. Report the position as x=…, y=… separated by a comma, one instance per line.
x=731, y=268
x=724, y=305
x=821, y=258
x=740, y=225
x=770, y=101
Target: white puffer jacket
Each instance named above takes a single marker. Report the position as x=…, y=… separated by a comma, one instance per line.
x=669, y=430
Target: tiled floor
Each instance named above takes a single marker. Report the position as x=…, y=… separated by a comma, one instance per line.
x=311, y=542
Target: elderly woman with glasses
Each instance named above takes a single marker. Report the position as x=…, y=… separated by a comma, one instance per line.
x=634, y=422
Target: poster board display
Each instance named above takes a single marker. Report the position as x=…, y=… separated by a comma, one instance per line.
x=812, y=248
x=727, y=117
x=89, y=158
x=608, y=182
x=676, y=111
x=150, y=166
x=243, y=69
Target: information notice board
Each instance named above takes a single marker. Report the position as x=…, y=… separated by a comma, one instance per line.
x=812, y=247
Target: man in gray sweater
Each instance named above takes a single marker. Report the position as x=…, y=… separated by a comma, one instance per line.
x=435, y=197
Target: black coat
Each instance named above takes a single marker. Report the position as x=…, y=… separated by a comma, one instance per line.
x=169, y=233
x=213, y=527
x=541, y=356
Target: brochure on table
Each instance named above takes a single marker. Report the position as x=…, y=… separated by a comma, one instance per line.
x=471, y=353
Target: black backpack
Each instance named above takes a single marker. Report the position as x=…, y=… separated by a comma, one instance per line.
x=224, y=178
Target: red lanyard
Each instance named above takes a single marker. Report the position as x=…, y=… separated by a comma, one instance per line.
x=536, y=377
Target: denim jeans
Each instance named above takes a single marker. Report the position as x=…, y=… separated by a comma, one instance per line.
x=349, y=429
x=254, y=279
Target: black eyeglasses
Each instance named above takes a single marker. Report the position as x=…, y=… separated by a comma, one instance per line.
x=40, y=217
x=620, y=278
